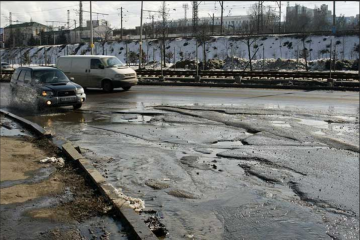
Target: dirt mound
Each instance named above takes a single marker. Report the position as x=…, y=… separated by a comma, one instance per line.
x=187, y=64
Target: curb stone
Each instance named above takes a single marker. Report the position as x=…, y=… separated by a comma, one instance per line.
x=244, y=85
x=139, y=228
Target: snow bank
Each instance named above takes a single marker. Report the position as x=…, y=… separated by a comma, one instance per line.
x=271, y=47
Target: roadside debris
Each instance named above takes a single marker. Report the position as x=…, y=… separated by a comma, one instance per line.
x=190, y=236
x=135, y=203
x=60, y=161
x=156, y=226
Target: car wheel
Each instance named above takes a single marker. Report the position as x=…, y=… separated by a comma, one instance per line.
x=107, y=86
x=126, y=88
x=77, y=106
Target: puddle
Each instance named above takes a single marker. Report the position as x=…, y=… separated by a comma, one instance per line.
x=319, y=132
x=115, y=118
x=12, y=132
x=313, y=123
x=228, y=144
x=280, y=124
x=10, y=129
x=347, y=118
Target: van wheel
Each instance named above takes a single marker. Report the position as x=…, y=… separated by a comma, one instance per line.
x=77, y=106
x=107, y=86
x=126, y=88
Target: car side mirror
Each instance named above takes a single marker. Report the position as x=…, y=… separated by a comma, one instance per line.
x=72, y=79
x=101, y=66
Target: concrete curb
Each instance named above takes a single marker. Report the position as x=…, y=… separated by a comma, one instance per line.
x=132, y=219
x=138, y=227
x=264, y=86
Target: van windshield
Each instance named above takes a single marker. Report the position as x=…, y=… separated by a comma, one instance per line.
x=49, y=76
x=113, y=62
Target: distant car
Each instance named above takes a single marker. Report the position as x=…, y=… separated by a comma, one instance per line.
x=46, y=87
x=6, y=66
x=98, y=71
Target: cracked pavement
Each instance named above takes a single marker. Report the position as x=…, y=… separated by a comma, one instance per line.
x=267, y=166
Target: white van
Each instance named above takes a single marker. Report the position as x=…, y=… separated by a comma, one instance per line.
x=97, y=71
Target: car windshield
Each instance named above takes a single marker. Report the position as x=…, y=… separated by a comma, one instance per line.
x=113, y=62
x=50, y=76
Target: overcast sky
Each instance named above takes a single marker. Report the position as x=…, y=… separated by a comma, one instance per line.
x=57, y=10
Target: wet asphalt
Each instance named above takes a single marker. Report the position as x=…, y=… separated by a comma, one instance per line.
x=224, y=163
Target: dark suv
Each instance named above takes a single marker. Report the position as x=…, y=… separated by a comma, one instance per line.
x=46, y=87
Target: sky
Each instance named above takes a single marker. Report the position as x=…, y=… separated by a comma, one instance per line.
x=43, y=11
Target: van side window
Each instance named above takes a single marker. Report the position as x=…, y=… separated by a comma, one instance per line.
x=22, y=76
x=15, y=75
x=95, y=64
x=27, y=77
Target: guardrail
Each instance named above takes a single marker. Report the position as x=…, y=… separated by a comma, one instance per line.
x=268, y=74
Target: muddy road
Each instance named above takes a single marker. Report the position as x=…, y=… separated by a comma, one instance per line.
x=42, y=200
x=225, y=163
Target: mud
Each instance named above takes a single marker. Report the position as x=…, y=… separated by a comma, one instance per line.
x=40, y=201
x=247, y=161
x=155, y=184
x=181, y=194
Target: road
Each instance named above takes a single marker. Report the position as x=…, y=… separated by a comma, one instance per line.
x=225, y=163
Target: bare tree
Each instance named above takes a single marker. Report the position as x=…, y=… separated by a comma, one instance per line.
x=305, y=52
x=298, y=19
x=202, y=37
x=104, y=31
x=320, y=21
x=163, y=28
x=341, y=23
x=249, y=41
x=254, y=15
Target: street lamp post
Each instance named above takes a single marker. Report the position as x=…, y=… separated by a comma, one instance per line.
x=141, y=27
x=91, y=31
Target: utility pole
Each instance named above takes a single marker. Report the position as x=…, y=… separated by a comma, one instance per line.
x=213, y=23
x=80, y=20
x=262, y=16
x=258, y=17
x=334, y=19
x=153, y=26
x=279, y=16
x=330, y=57
x=186, y=7
x=75, y=30
x=222, y=17
x=141, y=28
x=163, y=12
x=68, y=19
x=121, y=16
x=175, y=58
x=91, y=31
x=11, y=30
x=195, y=17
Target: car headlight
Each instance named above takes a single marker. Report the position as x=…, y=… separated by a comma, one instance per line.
x=47, y=93
x=79, y=91
x=118, y=76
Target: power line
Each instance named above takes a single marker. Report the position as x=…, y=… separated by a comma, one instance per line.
x=45, y=10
